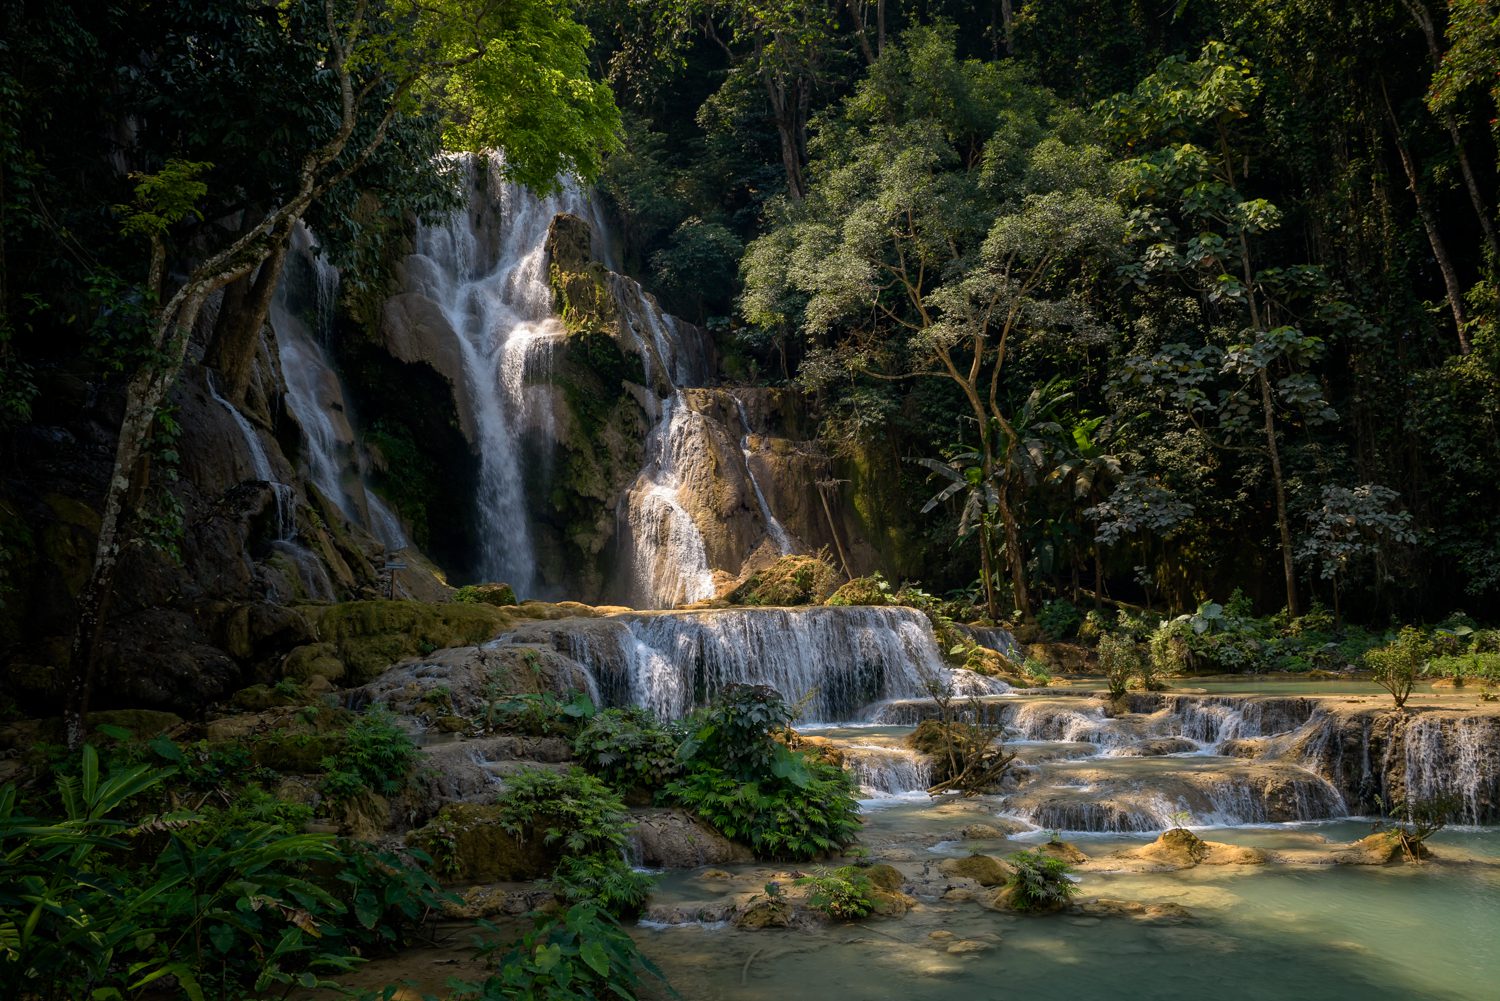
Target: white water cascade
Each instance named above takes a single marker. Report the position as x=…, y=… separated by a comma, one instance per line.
x=841, y=661
x=774, y=529
x=311, y=574
x=491, y=285
x=315, y=397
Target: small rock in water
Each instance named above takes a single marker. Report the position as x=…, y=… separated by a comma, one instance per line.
x=968, y=946
x=941, y=936
x=715, y=874
x=959, y=894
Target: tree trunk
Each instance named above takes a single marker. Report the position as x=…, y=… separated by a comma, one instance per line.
x=1013, y=558
x=987, y=567
x=237, y=330
x=1423, y=17
x=1282, y=524
x=1429, y=223
x=143, y=400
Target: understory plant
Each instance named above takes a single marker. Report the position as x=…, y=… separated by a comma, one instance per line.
x=1039, y=881
x=749, y=785
x=376, y=755
x=1120, y=659
x=1413, y=822
x=115, y=898
x=842, y=893
x=630, y=749
x=1396, y=665
x=586, y=819
x=580, y=954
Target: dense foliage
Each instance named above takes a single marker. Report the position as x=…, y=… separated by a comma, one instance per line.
x=1166, y=305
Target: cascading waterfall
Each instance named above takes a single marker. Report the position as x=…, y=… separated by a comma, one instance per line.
x=842, y=661
x=883, y=772
x=311, y=573
x=774, y=528
x=496, y=299
x=314, y=395
x=667, y=557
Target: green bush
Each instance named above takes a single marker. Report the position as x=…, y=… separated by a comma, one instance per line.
x=630, y=749
x=1058, y=619
x=573, y=808
x=581, y=954
x=94, y=905
x=806, y=813
x=376, y=756
x=843, y=893
x=1397, y=664
x=538, y=714
x=1039, y=882
x=750, y=786
x=608, y=880
x=1465, y=667
x=1120, y=659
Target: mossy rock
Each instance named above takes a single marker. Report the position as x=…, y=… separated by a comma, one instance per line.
x=499, y=595
x=469, y=844
x=791, y=580
x=983, y=869
x=313, y=660
x=872, y=590
x=370, y=636
x=884, y=876
x=259, y=697
x=295, y=753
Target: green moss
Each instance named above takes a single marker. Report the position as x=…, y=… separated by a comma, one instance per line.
x=486, y=594
x=791, y=580
x=469, y=843
x=370, y=636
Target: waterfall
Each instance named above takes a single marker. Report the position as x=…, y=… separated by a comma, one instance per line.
x=260, y=463
x=1457, y=759
x=885, y=772
x=493, y=291
x=314, y=394
x=840, y=662
x=774, y=529
x=667, y=557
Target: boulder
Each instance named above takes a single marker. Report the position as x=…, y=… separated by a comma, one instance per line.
x=675, y=839
x=1006, y=899
x=469, y=844
x=983, y=869
x=1065, y=850
x=1180, y=848
x=1380, y=848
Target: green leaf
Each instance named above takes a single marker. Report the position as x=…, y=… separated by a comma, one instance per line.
x=593, y=954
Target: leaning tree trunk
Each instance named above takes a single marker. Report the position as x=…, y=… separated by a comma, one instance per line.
x=1429, y=224
x=236, y=337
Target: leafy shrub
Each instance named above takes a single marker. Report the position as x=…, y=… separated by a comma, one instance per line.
x=571, y=807
x=1039, y=882
x=536, y=714
x=1120, y=659
x=608, y=880
x=629, y=749
x=581, y=954
x=1058, y=619
x=752, y=787
x=734, y=732
x=1462, y=667
x=791, y=580
x=376, y=755
x=796, y=816
x=1396, y=665
x=98, y=906
x=843, y=893
x=871, y=590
